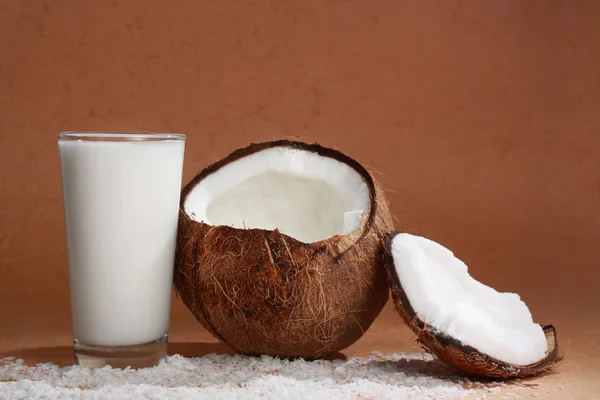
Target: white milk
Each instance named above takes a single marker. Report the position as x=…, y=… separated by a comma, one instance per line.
x=121, y=206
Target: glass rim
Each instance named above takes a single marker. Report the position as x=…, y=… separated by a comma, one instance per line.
x=120, y=137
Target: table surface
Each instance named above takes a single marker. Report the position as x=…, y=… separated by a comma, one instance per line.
x=44, y=335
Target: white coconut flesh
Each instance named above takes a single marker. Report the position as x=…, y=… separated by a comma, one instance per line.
x=305, y=195
x=446, y=297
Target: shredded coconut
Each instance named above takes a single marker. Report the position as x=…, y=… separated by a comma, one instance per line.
x=397, y=376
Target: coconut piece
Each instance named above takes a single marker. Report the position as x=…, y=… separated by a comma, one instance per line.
x=280, y=249
x=468, y=325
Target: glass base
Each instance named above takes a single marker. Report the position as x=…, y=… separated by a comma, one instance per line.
x=143, y=355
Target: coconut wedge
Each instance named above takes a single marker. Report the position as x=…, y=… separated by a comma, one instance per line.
x=280, y=249
x=469, y=326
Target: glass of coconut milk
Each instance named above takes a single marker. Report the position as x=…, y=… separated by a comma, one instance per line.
x=121, y=202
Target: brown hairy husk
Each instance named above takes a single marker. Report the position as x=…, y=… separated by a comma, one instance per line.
x=457, y=355
x=263, y=292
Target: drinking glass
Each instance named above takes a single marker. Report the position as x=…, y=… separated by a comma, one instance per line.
x=121, y=200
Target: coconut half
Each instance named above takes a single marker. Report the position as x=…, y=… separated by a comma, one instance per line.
x=280, y=249
x=468, y=325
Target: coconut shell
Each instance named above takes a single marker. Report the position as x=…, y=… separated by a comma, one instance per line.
x=263, y=292
x=457, y=355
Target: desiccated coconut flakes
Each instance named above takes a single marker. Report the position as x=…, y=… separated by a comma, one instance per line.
x=398, y=376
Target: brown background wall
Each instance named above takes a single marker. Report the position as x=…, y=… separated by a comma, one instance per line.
x=482, y=118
